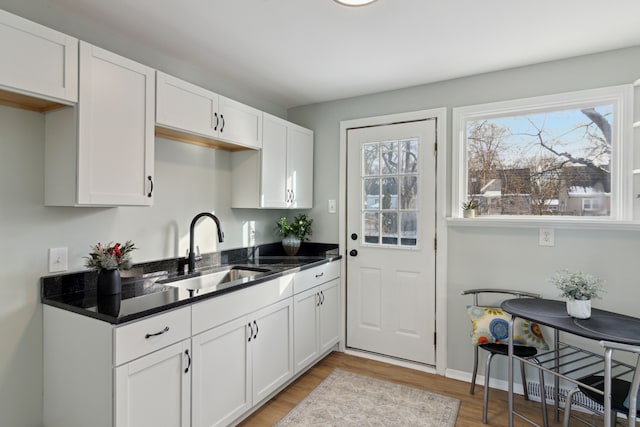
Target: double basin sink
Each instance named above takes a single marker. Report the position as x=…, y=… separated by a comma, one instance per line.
x=215, y=280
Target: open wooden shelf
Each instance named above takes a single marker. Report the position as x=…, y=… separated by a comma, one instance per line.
x=26, y=102
x=203, y=141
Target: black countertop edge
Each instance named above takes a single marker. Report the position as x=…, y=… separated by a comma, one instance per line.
x=142, y=297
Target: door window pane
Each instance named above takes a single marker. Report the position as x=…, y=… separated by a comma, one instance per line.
x=390, y=228
x=409, y=156
x=408, y=228
x=409, y=192
x=371, y=227
x=371, y=193
x=370, y=160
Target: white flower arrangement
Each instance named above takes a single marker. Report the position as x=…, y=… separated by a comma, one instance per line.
x=575, y=285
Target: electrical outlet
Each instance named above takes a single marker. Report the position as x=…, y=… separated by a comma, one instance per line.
x=547, y=237
x=332, y=206
x=57, y=260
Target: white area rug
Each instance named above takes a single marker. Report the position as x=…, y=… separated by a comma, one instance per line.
x=347, y=399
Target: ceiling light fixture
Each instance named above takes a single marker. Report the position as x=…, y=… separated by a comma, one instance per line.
x=354, y=2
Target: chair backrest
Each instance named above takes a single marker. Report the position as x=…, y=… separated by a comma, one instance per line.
x=512, y=292
x=632, y=399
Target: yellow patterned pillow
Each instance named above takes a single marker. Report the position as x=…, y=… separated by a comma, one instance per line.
x=491, y=325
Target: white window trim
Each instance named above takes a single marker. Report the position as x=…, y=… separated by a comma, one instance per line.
x=621, y=97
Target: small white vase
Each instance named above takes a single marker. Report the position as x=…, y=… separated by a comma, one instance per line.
x=579, y=308
x=468, y=213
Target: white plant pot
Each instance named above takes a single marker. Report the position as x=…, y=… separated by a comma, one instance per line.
x=291, y=245
x=579, y=308
x=468, y=213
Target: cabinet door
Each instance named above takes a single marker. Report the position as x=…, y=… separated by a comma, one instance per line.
x=300, y=167
x=155, y=390
x=185, y=106
x=239, y=123
x=274, y=163
x=221, y=374
x=115, y=129
x=37, y=60
x=329, y=315
x=305, y=328
x=272, y=353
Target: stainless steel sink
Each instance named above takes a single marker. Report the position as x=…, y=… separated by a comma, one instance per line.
x=227, y=277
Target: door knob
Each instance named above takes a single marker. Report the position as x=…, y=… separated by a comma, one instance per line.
x=353, y=252
x=354, y=236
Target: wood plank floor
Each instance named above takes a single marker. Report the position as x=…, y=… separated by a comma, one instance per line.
x=469, y=414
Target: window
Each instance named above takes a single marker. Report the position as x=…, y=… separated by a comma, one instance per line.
x=390, y=188
x=560, y=156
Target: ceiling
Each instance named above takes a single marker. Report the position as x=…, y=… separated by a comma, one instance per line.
x=298, y=52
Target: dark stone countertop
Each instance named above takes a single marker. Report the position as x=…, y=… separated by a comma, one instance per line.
x=144, y=293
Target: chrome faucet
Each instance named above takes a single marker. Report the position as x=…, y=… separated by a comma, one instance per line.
x=192, y=254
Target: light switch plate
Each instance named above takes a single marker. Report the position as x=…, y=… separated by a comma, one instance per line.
x=332, y=206
x=57, y=260
x=547, y=237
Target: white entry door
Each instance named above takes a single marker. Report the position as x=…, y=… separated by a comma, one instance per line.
x=391, y=220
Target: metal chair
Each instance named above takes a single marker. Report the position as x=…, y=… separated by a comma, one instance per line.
x=624, y=393
x=525, y=352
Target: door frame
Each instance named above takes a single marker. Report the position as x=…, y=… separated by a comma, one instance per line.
x=440, y=114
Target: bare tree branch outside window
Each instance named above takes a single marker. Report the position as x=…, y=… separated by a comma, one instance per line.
x=553, y=163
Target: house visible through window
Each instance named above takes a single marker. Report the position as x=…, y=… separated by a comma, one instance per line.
x=557, y=155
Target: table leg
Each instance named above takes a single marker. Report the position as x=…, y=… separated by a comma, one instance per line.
x=510, y=371
x=556, y=378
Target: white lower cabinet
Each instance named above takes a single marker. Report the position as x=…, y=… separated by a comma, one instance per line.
x=207, y=364
x=241, y=362
x=316, y=322
x=155, y=390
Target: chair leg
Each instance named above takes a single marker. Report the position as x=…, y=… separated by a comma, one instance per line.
x=524, y=381
x=567, y=406
x=487, y=375
x=543, y=396
x=475, y=369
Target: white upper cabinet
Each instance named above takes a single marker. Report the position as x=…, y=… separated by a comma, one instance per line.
x=280, y=176
x=299, y=167
x=101, y=152
x=189, y=113
x=37, y=61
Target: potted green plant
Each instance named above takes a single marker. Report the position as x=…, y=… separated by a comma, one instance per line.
x=579, y=289
x=294, y=233
x=469, y=209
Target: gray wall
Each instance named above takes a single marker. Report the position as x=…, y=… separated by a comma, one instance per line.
x=493, y=257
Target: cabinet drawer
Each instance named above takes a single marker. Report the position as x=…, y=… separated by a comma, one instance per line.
x=151, y=334
x=315, y=276
x=216, y=311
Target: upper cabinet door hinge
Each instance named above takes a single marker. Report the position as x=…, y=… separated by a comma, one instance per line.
x=435, y=243
x=435, y=148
